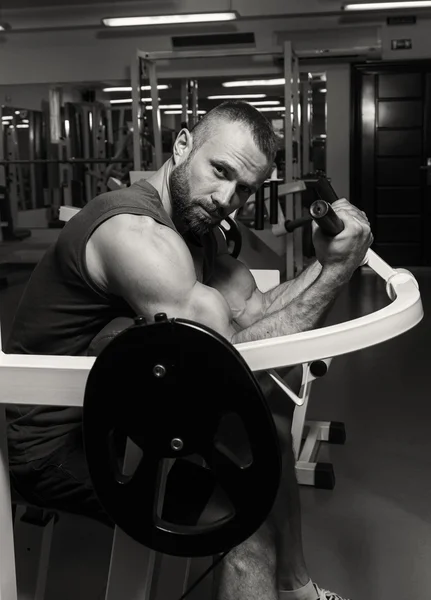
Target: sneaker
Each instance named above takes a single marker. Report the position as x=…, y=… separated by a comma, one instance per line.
x=326, y=595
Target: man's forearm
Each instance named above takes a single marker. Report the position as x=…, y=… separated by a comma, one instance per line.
x=280, y=296
x=303, y=313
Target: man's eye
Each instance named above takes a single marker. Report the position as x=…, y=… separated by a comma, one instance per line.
x=220, y=170
x=244, y=189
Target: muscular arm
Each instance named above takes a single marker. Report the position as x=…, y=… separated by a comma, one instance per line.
x=281, y=295
x=150, y=266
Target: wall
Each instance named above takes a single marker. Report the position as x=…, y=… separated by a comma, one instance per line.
x=338, y=124
x=419, y=34
x=338, y=128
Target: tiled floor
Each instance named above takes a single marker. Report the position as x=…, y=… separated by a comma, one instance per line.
x=370, y=537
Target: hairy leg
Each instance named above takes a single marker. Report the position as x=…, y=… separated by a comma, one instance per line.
x=272, y=559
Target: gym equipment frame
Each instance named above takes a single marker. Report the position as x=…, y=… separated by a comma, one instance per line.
x=61, y=380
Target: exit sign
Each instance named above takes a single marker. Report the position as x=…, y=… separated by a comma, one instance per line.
x=402, y=44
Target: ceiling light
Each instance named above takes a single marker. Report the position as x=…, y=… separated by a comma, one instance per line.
x=259, y=82
x=129, y=100
x=22, y=126
x=389, y=5
x=180, y=112
x=236, y=96
x=169, y=19
x=323, y=91
x=265, y=103
x=162, y=86
x=271, y=109
x=7, y=118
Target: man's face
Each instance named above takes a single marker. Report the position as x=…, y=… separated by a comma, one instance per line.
x=218, y=178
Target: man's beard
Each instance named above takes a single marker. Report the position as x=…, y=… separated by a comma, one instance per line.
x=187, y=215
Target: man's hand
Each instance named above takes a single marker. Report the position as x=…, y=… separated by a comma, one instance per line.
x=348, y=249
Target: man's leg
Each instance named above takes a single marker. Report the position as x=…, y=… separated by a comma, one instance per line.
x=60, y=481
x=272, y=559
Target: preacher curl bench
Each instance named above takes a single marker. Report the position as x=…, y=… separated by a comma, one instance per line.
x=178, y=438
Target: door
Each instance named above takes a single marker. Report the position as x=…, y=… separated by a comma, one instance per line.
x=391, y=146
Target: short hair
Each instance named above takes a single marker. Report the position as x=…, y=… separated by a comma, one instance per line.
x=241, y=112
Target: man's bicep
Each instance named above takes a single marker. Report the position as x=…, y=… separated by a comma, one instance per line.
x=238, y=286
x=153, y=271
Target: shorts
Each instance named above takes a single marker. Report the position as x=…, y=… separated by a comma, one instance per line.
x=60, y=481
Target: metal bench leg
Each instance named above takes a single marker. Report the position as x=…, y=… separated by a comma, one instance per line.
x=33, y=538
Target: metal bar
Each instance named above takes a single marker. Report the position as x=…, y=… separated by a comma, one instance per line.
x=184, y=100
x=2, y=175
x=86, y=149
x=55, y=99
x=306, y=125
x=157, y=125
x=136, y=112
x=297, y=169
x=8, y=587
x=194, y=85
x=288, y=141
x=32, y=144
x=166, y=55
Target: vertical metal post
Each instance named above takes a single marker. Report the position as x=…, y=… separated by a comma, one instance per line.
x=288, y=141
x=306, y=125
x=86, y=150
x=297, y=167
x=136, y=112
x=32, y=156
x=195, y=101
x=157, y=125
x=8, y=587
x=3, y=197
x=184, y=100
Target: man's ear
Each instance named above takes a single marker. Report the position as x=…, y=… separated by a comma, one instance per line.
x=183, y=146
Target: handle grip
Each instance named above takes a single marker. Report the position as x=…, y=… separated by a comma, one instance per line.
x=326, y=218
x=290, y=226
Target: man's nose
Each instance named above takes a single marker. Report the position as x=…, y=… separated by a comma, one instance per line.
x=223, y=197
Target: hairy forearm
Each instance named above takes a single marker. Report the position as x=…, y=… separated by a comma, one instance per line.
x=276, y=299
x=303, y=313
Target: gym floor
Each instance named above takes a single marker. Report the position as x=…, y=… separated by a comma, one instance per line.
x=370, y=537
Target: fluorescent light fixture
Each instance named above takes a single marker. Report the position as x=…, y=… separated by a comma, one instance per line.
x=169, y=19
x=389, y=5
x=22, y=126
x=25, y=121
x=17, y=112
x=180, y=112
x=7, y=118
x=257, y=82
x=236, y=96
x=128, y=100
x=323, y=91
x=271, y=109
x=165, y=106
x=2, y=28
x=162, y=86
x=265, y=103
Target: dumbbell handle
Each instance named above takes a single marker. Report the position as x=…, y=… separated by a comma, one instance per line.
x=326, y=218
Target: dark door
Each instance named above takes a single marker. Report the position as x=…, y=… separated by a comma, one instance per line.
x=391, y=146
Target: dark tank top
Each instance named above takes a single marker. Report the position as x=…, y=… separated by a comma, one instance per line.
x=62, y=310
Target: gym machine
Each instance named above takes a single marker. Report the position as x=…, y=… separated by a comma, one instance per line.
x=171, y=360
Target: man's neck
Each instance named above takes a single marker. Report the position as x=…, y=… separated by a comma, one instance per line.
x=160, y=181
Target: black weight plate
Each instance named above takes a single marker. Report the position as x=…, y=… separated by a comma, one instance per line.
x=206, y=379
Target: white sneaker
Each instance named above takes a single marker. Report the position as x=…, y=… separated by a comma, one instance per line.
x=326, y=595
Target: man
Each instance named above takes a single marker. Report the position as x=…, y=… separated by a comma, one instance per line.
x=150, y=248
